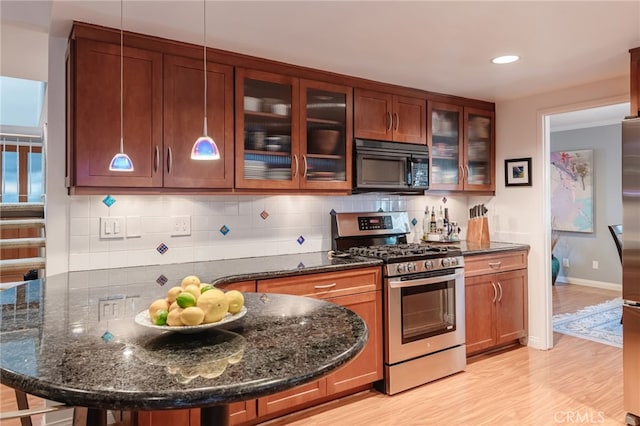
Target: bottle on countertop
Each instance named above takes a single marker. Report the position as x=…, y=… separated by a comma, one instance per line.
x=425, y=223
x=440, y=223
x=432, y=221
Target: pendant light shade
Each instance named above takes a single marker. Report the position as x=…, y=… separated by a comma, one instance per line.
x=205, y=147
x=121, y=161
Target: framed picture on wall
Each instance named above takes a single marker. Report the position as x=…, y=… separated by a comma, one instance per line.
x=517, y=172
x=572, y=190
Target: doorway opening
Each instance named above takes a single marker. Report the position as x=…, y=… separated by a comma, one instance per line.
x=583, y=181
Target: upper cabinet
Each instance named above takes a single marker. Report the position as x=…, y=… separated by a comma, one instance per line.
x=183, y=122
x=291, y=133
x=635, y=81
x=163, y=115
x=462, y=144
x=388, y=117
x=93, y=114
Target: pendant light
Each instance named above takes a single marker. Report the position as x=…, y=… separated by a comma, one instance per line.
x=205, y=148
x=121, y=161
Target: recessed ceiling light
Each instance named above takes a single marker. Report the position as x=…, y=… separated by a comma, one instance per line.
x=506, y=59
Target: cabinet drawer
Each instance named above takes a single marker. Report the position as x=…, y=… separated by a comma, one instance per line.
x=495, y=262
x=325, y=285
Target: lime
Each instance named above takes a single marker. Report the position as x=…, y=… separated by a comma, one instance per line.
x=186, y=299
x=160, y=317
x=205, y=287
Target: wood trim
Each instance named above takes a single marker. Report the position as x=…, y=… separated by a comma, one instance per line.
x=635, y=81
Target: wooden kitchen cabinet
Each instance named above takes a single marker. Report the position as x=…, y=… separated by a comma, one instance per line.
x=292, y=133
x=358, y=290
x=462, y=148
x=389, y=117
x=183, y=123
x=635, y=81
x=93, y=114
x=162, y=118
x=495, y=300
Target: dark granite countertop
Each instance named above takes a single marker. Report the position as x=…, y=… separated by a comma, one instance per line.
x=54, y=346
x=470, y=249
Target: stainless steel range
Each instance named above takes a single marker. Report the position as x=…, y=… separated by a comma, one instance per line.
x=424, y=336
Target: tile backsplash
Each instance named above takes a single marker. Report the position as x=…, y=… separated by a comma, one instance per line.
x=223, y=227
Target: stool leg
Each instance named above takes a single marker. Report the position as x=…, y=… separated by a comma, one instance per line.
x=23, y=404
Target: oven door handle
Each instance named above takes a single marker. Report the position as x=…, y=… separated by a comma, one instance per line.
x=396, y=283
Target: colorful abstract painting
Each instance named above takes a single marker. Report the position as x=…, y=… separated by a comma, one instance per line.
x=572, y=190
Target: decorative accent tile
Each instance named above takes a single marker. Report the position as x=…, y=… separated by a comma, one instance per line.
x=224, y=230
x=444, y=200
x=107, y=336
x=162, y=280
x=162, y=248
x=332, y=212
x=108, y=200
x=264, y=298
x=301, y=265
x=300, y=240
x=414, y=221
x=264, y=215
x=380, y=209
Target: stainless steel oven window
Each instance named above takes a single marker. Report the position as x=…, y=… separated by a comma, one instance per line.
x=428, y=311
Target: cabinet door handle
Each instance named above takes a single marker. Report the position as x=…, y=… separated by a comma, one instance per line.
x=466, y=172
x=304, y=160
x=461, y=173
x=390, y=121
x=397, y=121
x=500, y=288
x=495, y=265
x=156, y=159
x=169, y=160
x=495, y=292
x=295, y=172
x=325, y=286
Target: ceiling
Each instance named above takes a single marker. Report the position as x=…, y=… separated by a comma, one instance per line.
x=443, y=46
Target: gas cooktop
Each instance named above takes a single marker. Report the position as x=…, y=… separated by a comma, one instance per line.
x=392, y=253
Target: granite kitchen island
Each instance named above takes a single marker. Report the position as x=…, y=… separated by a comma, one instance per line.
x=53, y=347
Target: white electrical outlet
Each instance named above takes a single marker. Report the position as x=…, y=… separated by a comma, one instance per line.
x=180, y=225
x=565, y=262
x=594, y=264
x=112, y=227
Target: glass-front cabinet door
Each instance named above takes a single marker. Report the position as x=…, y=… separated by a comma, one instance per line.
x=267, y=120
x=325, y=140
x=479, y=137
x=445, y=138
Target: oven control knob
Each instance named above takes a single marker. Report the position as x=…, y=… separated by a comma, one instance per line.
x=428, y=264
x=454, y=261
x=446, y=262
x=411, y=267
x=402, y=268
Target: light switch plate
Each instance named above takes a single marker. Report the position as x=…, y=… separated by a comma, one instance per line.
x=112, y=227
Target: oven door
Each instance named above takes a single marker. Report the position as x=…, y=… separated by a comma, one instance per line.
x=425, y=314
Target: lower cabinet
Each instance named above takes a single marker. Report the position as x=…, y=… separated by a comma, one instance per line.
x=359, y=290
x=496, y=303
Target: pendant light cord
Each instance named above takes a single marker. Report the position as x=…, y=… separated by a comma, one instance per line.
x=204, y=55
x=121, y=81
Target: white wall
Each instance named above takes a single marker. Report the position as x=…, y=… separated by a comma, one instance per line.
x=522, y=213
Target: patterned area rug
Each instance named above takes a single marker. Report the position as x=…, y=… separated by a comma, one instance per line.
x=600, y=323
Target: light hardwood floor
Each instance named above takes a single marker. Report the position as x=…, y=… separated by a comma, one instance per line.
x=577, y=382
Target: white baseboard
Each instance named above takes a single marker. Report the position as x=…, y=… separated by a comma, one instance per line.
x=536, y=343
x=590, y=283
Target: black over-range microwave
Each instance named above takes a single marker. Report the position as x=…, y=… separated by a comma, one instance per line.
x=390, y=167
